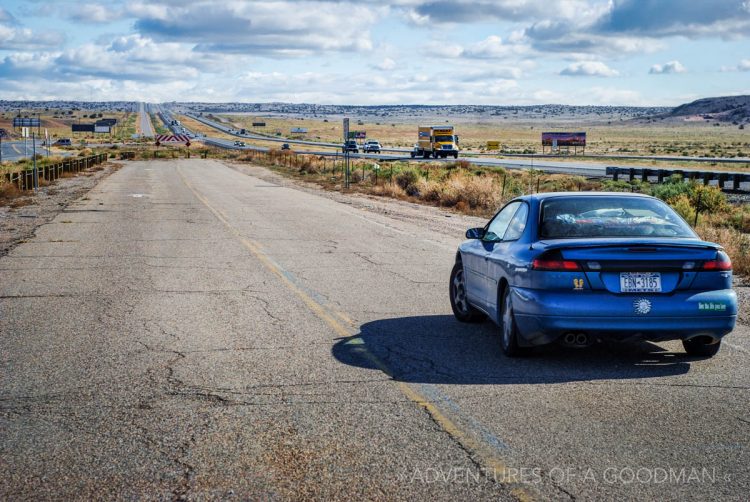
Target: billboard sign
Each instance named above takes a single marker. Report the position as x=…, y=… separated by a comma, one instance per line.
x=26, y=122
x=558, y=139
x=299, y=130
x=357, y=134
x=346, y=129
x=493, y=145
x=102, y=129
x=82, y=127
x=259, y=124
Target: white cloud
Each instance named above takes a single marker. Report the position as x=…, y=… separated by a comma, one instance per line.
x=275, y=28
x=589, y=69
x=743, y=65
x=386, y=64
x=14, y=36
x=491, y=47
x=92, y=12
x=669, y=67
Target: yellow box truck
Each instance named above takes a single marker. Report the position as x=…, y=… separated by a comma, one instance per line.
x=436, y=141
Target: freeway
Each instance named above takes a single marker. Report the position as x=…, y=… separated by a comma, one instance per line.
x=16, y=150
x=13, y=150
x=189, y=330
x=147, y=129
x=542, y=162
x=471, y=156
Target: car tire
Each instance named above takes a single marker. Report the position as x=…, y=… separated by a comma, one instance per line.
x=508, y=327
x=699, y=348
x=455, y=155
x=463, y=311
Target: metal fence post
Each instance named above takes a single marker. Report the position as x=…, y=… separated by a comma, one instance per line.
x=697, y=209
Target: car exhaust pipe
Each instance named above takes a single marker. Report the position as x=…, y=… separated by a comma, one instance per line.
x=576, y=340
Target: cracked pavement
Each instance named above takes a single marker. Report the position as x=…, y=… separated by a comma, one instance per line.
x=169, y=337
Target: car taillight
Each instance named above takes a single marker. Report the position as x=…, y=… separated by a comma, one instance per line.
x=560, y=265
x=720, y=264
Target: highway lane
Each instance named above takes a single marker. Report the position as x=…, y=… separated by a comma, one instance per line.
x=542, y=163
x=16, y=150
x=472, y=155
x=147, y=129
x=188, y=330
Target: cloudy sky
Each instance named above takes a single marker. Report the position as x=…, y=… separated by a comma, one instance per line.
x=619, y=52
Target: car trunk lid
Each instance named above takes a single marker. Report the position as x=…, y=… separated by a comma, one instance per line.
x=653, y=266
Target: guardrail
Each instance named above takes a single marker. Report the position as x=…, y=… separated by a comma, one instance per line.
x=645, y=174
x=24, y=180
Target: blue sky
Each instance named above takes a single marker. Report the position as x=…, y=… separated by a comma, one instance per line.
x=611, y=52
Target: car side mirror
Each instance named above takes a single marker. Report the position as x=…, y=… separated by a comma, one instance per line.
x=475, y=233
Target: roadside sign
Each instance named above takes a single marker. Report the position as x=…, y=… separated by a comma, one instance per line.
x=25, y=132
x=26, y=122
x=493, y=145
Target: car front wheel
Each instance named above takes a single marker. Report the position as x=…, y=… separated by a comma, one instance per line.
x=463, y=311
x=509, y=329
x=701, y=347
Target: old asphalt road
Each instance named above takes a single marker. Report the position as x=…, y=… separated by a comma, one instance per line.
x=190, y=331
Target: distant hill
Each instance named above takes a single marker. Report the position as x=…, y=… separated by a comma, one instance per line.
x=725, y=109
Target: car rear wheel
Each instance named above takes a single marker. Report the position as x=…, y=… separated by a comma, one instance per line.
x=509, y=329
x=463, y=311
x=701, y=347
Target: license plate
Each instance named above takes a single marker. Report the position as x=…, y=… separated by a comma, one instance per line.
x=640, y=282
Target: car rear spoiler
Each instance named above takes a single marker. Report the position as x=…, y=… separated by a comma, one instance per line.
x=633, y=243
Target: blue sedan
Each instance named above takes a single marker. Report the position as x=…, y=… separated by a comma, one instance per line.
x=580, y=267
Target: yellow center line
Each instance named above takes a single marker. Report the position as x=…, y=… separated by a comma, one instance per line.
x=488, y=457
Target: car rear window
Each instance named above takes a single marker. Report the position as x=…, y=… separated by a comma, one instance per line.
x=601, y=216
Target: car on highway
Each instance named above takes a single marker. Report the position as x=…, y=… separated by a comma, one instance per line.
x=62, y=142
x=577, y=268
x=350, y=146
x=371, y=146
x=239, y=143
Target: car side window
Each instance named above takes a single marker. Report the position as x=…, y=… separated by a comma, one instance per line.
x=517, y=224
x=499, y=224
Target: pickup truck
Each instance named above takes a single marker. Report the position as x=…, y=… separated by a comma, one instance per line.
x=350, y=146
x=371, y=146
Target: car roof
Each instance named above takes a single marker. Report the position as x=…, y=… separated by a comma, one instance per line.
x=554, y=195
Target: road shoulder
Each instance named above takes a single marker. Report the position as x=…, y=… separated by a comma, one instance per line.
x=20, y=217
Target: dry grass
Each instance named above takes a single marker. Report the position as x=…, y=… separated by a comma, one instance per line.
x=736, y=244
x=9, y=191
